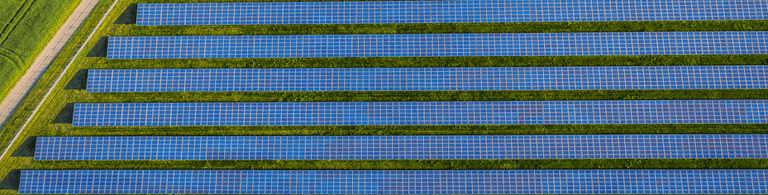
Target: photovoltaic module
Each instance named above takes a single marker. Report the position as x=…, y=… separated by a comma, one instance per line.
x=422, y=113
x=381, y=12
x=690, y=181
x=429, y=79
x=439, y=45
x=403, y=147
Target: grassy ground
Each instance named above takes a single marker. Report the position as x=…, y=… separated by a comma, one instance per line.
x=27, y=26
x=409, y=164
x=47, y=122
x=436, y=62
x=414, y=130
x=548, y=27
x=426, y=96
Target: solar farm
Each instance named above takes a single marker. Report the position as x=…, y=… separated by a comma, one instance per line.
x=403, y=97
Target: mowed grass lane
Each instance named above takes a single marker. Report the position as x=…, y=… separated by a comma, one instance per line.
x=53, y=116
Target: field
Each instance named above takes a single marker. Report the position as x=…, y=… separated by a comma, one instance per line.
x=27, y=26
x=54, y=117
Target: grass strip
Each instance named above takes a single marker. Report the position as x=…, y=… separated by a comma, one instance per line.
x=379, y=96
x=394, y=62
x=437, y=28
x=68, y=130
x=408, y=164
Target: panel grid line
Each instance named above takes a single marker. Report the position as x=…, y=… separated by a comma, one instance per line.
x=717, y=181
x=373, y=12
x=403, y=147
x=437, y=45
x=428, y=79
x=422, y=113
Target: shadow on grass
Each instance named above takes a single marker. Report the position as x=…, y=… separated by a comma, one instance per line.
x=129, y=15
x=27, y=148
x=100, y=49
x=11, y=181
x=65, y=115
x=79, y=81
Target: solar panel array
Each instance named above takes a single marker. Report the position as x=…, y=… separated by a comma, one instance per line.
x=395, y=182
x=368, y=12
x=402, y=147
x=433, y=45
x=421, y=113
x=428, y=79
x=628, y=181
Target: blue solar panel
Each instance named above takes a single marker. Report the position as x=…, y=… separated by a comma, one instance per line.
x=432, y=45
x=723, y=181
x=429, y=79
x=421, y=113
x=402, y=147
x=368, y=12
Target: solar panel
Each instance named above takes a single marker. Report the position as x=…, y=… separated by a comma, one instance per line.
x=718, y=181
x=402, y=147
x=434, y=45
x=421, y=113
x=368, y=12
x=429, y=79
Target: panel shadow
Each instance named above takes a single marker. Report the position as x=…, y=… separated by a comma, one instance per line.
x=129, y=15
x=100, y=49
x=27, y=148
x=65, y=115
x=11, y=181
x=79, y=81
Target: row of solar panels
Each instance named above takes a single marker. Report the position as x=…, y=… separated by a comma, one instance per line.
x=422, y=113
x=429, y=79
x=403, y=147
x=395, y=182
x=368, y=12
x=439, y=45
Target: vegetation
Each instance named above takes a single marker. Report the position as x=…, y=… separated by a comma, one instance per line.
x=51, y=118
x=415, y=130
x=392, y=62
x=411, y=164
x=27, y=26
x=546, y=27
x=426, y=96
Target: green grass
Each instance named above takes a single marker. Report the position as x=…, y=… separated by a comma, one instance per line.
x=415, y=130
x=392, y=62
x=42, y=124
x=410, y=164
x=545, y=27
x=27, y=26
x=425, y=96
